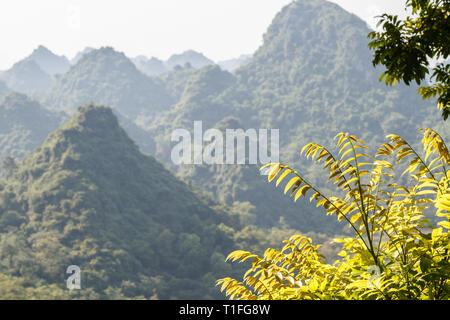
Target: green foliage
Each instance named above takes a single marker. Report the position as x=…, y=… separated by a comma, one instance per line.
x=8, y=166
x=392, y=255
x=405, y=48
x=16, y=288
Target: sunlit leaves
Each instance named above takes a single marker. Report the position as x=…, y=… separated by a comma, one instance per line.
x=410, y=256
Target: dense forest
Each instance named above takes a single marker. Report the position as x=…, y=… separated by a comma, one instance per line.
x=87, y=177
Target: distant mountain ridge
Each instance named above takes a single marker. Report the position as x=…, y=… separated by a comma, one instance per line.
x=151, y=67
x=49, y=62
x=108, y=77
x=233, y=64
x=80, y=54
x=26, y=76
x=24, y=125
x=196, y=59
x=36, y=72
x=154, y=66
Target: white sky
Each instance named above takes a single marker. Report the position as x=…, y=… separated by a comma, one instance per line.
x=220, y=29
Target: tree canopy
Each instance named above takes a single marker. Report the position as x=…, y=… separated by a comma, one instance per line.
x=406, y=48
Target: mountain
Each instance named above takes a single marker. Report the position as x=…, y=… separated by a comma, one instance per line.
x=49, y=62
x=175, y=80
x=88, y=197
x=143, y=138
x=26, y=76
x=3, y=89
x=151, y=67
x=311, y=78
x=198, y=89
x=155, y=67
x=108, y=77
x=24, y=125
x=205, y=99
x=35, y=72
x=196, y=59
x=80, y=54
x=232, y=64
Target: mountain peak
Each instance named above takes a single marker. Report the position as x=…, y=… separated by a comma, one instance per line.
x=310, y=38
x=196, y=59
x=94, y=120
x=92, y=134
x=42, y=50
x=80, y=55
x=109, y=78
x=307, y=25
x=48, y=61
x=106, y=58
x=95, y=117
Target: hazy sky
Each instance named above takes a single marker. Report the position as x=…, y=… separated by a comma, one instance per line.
x=220, y=29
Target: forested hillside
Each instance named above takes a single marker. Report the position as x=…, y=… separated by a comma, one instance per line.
x=95, y=186
x=89, y=197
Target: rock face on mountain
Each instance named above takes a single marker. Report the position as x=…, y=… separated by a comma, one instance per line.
x=108, y=77
x=88, y=197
